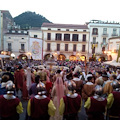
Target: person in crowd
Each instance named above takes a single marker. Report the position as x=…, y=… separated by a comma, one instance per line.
x=19, y=78
x=57, y=75
x=32, y=75
x=99, y=81
x=88, y=88
x=118, y=74
x=99, y=74
x=105, y=78
x=40, y=107
x=48, y=82
x=33, y=87
x=58, y=91
x=8, y=72
x=70, y=104
x=96, y=105
x=114, y=102
x=27, y=83
x=5, y=80
x=79, y=83
x=107, y=87
x=10, y=106
x=42, y=74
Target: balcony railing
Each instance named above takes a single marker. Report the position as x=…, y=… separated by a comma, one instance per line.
x=114, y=34
x=94, y=33
x=104, y=34
x=9, y=50
x=22, y=50
x=94, y=42
x=104, y=44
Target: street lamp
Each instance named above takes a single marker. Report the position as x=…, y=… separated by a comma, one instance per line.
x=13, y=55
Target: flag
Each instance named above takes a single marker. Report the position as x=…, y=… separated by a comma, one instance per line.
x=118, y=54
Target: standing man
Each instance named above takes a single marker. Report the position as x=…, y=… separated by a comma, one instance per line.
x=8, y=72
x=70, y=104
x=10, y=106
x=114, y=102
x=95, y=106
x=40, y=107
x=19, y=78
x=88, y=88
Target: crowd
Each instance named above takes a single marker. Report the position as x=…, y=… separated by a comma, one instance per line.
x=59, y=94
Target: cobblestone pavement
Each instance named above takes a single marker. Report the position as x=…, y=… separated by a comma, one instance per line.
x=82, y=115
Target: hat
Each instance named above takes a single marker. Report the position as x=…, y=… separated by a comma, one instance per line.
x=87, y=76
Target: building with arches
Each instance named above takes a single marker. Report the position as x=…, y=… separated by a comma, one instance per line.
x=16, y=42
x=65, y=41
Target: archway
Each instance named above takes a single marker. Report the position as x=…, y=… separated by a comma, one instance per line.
x=72, y=58
x=22, y=56
x=82, y=57
x=47, y=56
x=61, y=57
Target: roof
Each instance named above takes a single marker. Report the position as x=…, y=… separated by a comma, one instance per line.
x=16, y=33
x=70, y=26
x=114, y=38
x=35, y=28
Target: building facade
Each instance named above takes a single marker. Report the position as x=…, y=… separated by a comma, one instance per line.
x=113, y=45
x=65, y=41
x=16, y=42
x=6, y=21
x=100, y=32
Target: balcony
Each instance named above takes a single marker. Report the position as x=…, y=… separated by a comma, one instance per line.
x=94, y=43
x=105, y=35
x=10, y=50
x=94, y=34
x=22, y=50
x=83, y=52
x=114, y=35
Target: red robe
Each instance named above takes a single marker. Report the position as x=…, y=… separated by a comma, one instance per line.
x=8, y=108
x=39, y=109
x=115, y=109
x=96, y=110
x=72, y=106
x=19, y=77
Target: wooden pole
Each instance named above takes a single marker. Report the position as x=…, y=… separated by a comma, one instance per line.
x=85, y=65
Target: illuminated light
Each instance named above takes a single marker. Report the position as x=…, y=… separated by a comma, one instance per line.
x=12, y=55
x=29, y=53
x=105, y=52
x=109, y=52
x=2, y=52
x=112, y=50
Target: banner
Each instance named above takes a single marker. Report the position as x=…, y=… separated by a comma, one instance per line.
x=36, y=48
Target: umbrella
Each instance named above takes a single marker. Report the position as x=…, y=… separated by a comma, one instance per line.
x=4, y=56
x=112, y=63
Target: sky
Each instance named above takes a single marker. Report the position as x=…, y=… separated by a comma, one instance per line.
x=66, y=11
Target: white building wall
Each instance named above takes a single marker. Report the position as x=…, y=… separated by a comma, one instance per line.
x=100, y=36
x=35, y=32
x=16, y=41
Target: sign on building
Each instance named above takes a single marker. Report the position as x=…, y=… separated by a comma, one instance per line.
x=36, y=48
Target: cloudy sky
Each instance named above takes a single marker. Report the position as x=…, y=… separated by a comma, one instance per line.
x=66, y=11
